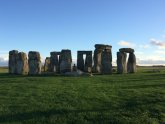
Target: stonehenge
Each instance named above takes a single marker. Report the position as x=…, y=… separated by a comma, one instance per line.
x=47, y=65
x=61, y=62
x=106, y=61
x=122, y=65
x=13, y=61
x=18, y=63
x=34, y=61
x=22, y=64
x=102, y=59
x=55, y=62
x=121, y=62
x=65, y=61
x=86, y=65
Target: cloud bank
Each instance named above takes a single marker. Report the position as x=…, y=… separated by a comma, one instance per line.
x=160, y=44
x=3, y=62
x=126, y=44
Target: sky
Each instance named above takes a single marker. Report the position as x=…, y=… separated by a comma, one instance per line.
x=52, y=25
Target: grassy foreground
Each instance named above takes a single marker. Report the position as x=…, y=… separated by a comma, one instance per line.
x=128, y=98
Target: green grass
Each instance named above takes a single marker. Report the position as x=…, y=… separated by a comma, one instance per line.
x=128, y=98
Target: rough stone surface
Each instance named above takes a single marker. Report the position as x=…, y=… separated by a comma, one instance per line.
x=97, y=60
x=88, y=62
x=87, y=65
x=34, y=63
x=131, y=65
x=22, y=64
x=47, y=65
x=99, y=48
x=65, y=61
x=106, y=62
x=102, y=46
x=121, y=62
x=55, y=62
x=80, y=60
x=127, y=50
x=13, y=61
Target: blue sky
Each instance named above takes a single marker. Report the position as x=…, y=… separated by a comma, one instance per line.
x=52, y=25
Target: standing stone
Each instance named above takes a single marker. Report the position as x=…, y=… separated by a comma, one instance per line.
x=65, y=61
x=34, y=63
x=99, y=48
x=54, y=62
x=121, y=62
x=13, y=61
x=106, y=62
x=88, y=62
x=131, y=65
x=22, y=64
x=97, y=60
x=47, y=65
x=80, y=61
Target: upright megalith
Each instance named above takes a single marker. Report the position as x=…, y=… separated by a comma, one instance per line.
x=102, y=63
x=65, y=61
x=106, y=61
x=80, y=60
x=131, y=65
x=47, y=64
x=18, y=63
x=121, y=62
x=122, y=65
x=88, y=62
x=55, y=62
x=34, y=63
x=22, y=64
x=97, y=57
x=13, y=61
x=84, y=65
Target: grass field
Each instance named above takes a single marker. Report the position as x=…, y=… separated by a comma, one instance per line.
x=118, y=99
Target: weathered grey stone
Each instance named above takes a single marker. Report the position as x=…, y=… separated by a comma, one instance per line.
x=65, y=61
x=47, y=64
x=13, y=61
x=34, y=63
x=106, y=62
x=121, y=62
x=80, y=60
x=102, y=46
x=88, y=62
x=97, y=60
x=99, y=48
x=22, y=64
x=127, y=50
x=87, y=65
x=55, y=62
x=131, y=65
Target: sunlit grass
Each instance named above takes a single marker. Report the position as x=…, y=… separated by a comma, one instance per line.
x=128, y=98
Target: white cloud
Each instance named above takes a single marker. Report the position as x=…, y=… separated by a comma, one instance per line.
x=4, y=58
x=126, y=44
x=3, y=61
x=154, y=58
x=151, y=62
x=160, y=44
